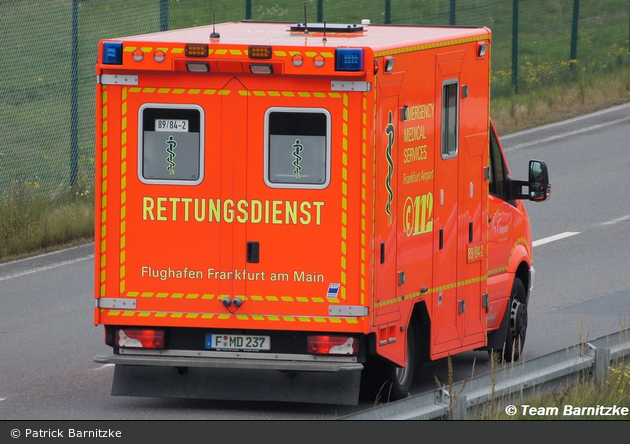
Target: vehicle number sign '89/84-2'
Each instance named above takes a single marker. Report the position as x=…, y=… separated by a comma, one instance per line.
x=237, y=342
x=173, y=125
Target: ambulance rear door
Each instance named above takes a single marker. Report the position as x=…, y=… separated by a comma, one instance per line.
x=305, y=230
x=177, y=193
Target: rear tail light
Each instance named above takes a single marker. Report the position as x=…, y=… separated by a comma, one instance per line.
x=332, y=345
x=137, y=338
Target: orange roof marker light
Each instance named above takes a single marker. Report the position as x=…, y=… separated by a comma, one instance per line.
x=196, y=50
x=259, y=52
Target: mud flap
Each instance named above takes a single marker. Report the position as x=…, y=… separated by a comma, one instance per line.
x=341, y=388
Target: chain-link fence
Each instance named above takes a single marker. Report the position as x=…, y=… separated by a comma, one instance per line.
x=48, y=51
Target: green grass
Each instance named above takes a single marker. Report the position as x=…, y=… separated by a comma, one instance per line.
x=34, y=223
x=614, y=392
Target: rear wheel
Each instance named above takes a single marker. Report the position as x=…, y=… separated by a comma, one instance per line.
x=387, y=381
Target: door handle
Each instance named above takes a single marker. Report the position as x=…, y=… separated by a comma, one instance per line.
x=253, y=252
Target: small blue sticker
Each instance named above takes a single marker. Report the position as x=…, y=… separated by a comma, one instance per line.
x=333, y=290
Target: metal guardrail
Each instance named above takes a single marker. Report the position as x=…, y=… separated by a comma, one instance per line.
x=510, y=383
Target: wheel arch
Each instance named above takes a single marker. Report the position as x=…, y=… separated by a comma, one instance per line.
x=421, y=322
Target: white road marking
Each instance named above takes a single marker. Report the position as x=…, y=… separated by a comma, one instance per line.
x=554, y=238
x=619, y=219
x=102, y=367
x=47, y=267
x=570, y=133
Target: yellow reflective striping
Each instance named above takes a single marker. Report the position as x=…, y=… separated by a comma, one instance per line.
x=430, y=46
x=433, y=290
x=231, y=316
x=258, y=298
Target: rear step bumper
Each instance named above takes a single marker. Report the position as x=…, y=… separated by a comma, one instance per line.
x=231, y=363
x=235, y=379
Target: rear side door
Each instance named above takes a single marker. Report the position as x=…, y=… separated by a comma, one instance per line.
x=176, y=194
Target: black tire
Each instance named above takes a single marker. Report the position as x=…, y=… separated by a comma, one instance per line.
x=384, y=381
x=517, y=322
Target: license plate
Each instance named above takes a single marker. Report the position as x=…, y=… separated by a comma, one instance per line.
x=238, y=342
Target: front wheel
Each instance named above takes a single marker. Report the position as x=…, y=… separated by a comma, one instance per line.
x=517, y=322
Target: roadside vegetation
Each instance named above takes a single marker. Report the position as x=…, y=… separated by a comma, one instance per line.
x=583, y=399
x=572, y=403
x=32, y=222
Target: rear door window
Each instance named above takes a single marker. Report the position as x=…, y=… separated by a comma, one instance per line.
x=297, y=148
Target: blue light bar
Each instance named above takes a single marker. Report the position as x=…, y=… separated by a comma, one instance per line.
x=112, y=53
x=349, y=59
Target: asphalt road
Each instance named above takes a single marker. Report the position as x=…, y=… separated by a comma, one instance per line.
x=582, y=291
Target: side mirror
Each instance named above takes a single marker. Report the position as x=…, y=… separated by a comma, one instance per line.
x=539, y=187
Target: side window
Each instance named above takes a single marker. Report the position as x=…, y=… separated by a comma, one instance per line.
x=450, y=115
x=170, y=144
x=297, y=148
x=497, y=168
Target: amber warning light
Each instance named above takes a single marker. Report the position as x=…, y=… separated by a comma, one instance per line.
x=259, y=52
x=196, y=50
